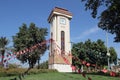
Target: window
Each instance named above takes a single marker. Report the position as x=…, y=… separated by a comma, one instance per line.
x=62, y=42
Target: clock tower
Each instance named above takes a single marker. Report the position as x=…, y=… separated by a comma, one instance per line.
x=60, y=46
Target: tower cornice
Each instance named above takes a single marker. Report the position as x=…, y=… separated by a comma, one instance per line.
x=61, y=12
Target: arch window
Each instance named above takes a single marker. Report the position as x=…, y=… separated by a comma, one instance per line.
x=62, y=42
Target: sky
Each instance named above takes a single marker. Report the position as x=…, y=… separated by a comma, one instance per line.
x=13, y=13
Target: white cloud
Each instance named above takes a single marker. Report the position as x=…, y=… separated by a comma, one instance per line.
x=88, y=32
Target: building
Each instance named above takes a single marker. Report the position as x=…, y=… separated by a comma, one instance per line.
x=60, y=46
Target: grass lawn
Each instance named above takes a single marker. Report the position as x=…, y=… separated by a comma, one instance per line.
x=61, y=76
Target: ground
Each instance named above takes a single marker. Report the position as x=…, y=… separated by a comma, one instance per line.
x=61, y=76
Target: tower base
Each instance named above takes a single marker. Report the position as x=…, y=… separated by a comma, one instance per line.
x=61, y=67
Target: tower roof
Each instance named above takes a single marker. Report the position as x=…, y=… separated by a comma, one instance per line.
x=59, y=11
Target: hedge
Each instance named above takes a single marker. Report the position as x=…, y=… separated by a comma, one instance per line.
x=17, y=71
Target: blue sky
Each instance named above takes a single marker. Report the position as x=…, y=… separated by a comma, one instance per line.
x=13, y=13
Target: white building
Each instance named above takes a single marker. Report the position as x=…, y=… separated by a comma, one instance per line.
x=60, y=48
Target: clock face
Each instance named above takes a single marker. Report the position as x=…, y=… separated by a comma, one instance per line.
x=62, y=21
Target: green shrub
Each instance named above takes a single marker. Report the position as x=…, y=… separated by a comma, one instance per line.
x=11, y=72
x=14, y=66
x=38, y=71
x=17, y=71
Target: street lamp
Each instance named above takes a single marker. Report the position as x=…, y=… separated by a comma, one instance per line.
x=108, y=53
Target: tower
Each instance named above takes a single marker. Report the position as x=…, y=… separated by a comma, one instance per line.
x=60, y=46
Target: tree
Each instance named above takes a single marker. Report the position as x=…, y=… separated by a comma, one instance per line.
x=3, y=43
x=109, y=18
x=79, y=53
x=93, y=53
x=28, y=37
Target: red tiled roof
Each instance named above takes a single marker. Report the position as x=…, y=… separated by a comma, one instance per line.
x=61, y=10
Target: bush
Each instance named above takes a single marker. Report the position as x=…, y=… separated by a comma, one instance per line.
x=10, y=72
x=38, y=71
x=17, y=71
x=14, y=66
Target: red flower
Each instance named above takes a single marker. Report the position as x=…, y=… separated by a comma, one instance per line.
x=112, y=74
x=83, y=62
x=88, y=64
x=104, y=70
x=73, y=67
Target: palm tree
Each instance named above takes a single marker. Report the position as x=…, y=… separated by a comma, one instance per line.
x=3, y=43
